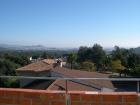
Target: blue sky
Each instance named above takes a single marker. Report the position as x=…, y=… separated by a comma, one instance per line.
x=70, y=23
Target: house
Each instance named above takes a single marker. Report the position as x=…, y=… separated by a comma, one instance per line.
x=37, y=69
x=46, y=68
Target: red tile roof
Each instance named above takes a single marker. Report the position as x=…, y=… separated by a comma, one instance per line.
x=36, y=67
x=93, y=85
x=71, y=85
x=79, y=73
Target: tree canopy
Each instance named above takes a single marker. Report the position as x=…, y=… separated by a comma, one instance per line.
x=120, y=60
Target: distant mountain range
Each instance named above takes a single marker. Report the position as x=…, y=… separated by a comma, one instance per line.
x=21, y=47
x=33, y=47
x=4, y=47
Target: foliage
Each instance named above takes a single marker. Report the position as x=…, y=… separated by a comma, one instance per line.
x=71, y=59
x=107, y=63
x=12, y=82
x=120, y=60
x=117, y=66
x=88, y=65
x=98, y=56
x=95, y=54
x=121, y=54
x=136, y=71
x=20, y=60
x=84, y=53
x=133, y=60
x=7, y=67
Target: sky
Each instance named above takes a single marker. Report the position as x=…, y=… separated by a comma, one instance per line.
x=70, y=23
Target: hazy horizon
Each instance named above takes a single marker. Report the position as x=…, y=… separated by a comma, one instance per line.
x=70, y=24
x=40, y=45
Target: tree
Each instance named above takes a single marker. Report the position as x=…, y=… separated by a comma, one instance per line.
x=133, y=60
x=82, y=54
x=117, y=53
x=136, y=71
x=98, y=56
x=95, y=54
x=17, y=59
x=117, y=66
x=88, y=65
x=71, y=58
x=7, y=67
x=121, y=54
x=129, y=59
x=107, y=63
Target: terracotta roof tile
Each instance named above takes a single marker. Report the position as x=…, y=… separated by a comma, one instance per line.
x=93, y=85
x=71, y=86
x=49, y=61
x=82, y=84
x=36, y=67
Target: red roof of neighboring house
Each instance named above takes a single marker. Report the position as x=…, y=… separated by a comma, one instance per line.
x=36, y=67
x=93, y=85
x=61, y=85
x=79, y=73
